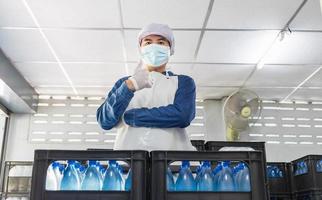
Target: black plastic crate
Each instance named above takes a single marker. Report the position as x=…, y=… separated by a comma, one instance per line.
x=217, y=145
x=309, y=195
x=199, y=144
x=280, y=186
x=310, y=181
x=281, y=197
x=138, y=161
x=160, y=161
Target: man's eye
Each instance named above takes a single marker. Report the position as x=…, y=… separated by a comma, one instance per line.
x=147, y=43
x=162, y=42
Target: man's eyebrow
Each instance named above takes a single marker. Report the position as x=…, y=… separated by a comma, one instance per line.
x=147, y=39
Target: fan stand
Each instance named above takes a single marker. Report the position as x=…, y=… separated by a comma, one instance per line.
x=232, y=135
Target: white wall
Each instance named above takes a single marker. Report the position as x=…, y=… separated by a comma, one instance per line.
x=19, y=147
x=275, y=152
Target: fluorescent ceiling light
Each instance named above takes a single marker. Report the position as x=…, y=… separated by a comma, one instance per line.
x=42, y=33
x=283, y=35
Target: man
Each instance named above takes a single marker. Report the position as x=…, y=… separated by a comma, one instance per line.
x=151, y=108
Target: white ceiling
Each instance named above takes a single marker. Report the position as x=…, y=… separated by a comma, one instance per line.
x=218, y=43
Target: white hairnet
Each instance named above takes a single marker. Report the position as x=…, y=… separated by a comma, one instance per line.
x=158, y=29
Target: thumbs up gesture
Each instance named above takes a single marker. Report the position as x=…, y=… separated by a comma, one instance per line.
x=140, y=79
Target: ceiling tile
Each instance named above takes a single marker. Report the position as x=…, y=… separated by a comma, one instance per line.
x=272, y=93
x=95, y=74
x=100, y=91
x=76, y=13
x=85, y=45
x=177, y=14
x=14, y=13
x=280, y=76
x=42, y=74
x=181, y=69
x=82, y=91
x=307, y=94
x=221, y=75
x=235, y=46
x=214, y=92
x=24, y=45
x=297, y=48
x=55, y=90
x=185, y=45
x=316, y=80
x=246, y=14
x=309, y=18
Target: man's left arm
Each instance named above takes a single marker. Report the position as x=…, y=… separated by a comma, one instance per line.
x=179, y=114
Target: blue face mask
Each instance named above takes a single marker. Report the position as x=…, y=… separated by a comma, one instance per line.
x=155, y=55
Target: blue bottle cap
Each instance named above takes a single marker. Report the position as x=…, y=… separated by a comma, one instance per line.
x=61, y=168
x=82, y=169
x=92, y=163
x=225, y=163
x=77, y=165
x=217, y=169
x=55, y=165
x=71, y=162
x=185, y=163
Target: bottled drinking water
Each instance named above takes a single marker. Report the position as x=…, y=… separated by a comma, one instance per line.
x=58, y=174
x=185, y=181
x=225, y=179
x=51, y=179
x=319, y=166
x=170, y=180
x=236, y=175
x=71, y=180
x=206, y=178
x=243, y=179
x=128, y=182
x=112, y=179
x=92, y=179
x=216, y=174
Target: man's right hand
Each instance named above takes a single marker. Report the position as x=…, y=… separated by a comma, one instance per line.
x=140, y=79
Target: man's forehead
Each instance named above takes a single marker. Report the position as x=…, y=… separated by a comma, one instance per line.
x=150, y=37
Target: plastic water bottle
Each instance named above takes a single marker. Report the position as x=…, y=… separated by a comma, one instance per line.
x=236, y=174
x=61, y=168
x=198, y=170
x=70, y=179
x=58, y=174
x=128, y=182
x=102, y=171
x=297, y=171
x=216, y=174
x=78, y=167
x=305, y=167
x=98, y=167
x=120, y=170
x=280, y=173
x=51, y=179
x=112, y=180
x=206, y=178
x=92, y=180
x=319, y=166
x=301, y=167
x=185, y=181
x=243, y=179
x=170, y=180
x=225, y=179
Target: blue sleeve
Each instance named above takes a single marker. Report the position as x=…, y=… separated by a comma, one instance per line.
x=179, y=114
x=110, y=112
